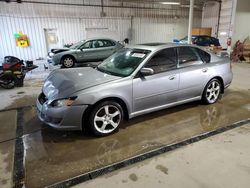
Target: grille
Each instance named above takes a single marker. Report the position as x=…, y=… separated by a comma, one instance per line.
x=42, y=98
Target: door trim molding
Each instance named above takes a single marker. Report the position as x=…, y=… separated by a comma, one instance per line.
x=134, y=114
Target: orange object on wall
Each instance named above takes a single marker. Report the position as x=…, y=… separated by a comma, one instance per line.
x=202, y=31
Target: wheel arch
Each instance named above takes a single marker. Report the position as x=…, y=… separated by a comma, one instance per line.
x=221, y=81
x=114, y=99
x=218, y=78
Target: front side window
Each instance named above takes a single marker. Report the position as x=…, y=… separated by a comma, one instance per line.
x=188, y=56
x=201, y=40
x=163, y=61
x=124, y=62
x=87, y=45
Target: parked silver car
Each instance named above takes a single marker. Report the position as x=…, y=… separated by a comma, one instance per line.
x=84, y=51
x=133, y=81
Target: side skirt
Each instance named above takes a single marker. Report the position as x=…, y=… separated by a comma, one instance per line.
x=149, y=110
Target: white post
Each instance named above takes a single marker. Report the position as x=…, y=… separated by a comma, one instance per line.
x=190, y=22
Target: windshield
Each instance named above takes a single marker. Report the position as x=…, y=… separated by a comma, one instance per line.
x=123, y=62
x=77, y=45
x=185, y=38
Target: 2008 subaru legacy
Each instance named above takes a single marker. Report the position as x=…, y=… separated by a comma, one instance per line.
x=135, y=80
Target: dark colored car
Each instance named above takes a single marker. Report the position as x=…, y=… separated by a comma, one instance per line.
x=201, y=40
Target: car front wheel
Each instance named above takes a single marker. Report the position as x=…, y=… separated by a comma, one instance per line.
x=68, y=62
x=212, y=91
x=106, y=118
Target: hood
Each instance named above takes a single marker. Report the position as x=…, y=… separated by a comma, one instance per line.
x=58, y=50
x=62, y=83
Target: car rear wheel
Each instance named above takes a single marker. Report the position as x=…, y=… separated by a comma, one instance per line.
x=68, y=62
x=106, y=118
x=212, y=91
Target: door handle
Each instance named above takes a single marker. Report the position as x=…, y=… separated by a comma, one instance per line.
x=204, y=70
x=172, y=77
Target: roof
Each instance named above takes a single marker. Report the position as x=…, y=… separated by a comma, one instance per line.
x=156, y=46
x=99, y=38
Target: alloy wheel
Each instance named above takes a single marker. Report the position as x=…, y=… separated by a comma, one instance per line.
x=107, y=119
x=213, y=91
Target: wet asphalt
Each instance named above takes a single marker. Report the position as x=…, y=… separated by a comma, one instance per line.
x=40, y=156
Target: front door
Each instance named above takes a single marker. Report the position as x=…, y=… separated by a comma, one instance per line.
x=161, y=88
x=86, y=52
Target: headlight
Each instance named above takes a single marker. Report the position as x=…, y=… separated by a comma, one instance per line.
x=51, y=54
x=63, y=102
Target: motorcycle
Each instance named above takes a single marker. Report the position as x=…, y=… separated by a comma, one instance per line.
x=13, y=71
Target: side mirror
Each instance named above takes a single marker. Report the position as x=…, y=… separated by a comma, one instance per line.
x=146, y=71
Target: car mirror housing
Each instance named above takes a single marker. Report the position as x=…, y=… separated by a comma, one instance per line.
x=146, y=71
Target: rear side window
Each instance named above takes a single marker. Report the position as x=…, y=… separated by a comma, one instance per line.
x=108, y=43
x=163, y=61
x=188, y=56
x=205, y=57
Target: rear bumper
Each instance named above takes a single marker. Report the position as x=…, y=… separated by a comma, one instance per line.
x=227, y=79
x=64, y=118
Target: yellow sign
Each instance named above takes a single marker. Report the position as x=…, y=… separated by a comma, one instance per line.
x=21, y=39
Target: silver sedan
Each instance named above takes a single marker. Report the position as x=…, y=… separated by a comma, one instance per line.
x=135, y=80
x=83, y=51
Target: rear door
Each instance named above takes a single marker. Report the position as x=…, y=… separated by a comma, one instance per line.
x=161, y=88
x=193, y=72
x=108, y=48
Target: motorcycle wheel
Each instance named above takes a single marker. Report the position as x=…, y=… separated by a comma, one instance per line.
x=8, y=82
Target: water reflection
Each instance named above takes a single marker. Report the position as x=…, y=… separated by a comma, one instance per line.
x=50, y=151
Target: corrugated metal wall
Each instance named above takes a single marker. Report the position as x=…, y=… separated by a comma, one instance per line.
x=68, y=30
x=160, y=29
x=210, y=16
x=71, y=22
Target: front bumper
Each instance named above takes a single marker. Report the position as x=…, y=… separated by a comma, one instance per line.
x=52, y=61
x=64, y=118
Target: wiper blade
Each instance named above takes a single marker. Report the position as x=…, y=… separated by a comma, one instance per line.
x=101, y=70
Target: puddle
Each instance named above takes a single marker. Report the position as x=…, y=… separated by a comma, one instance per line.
x=162, y=168
x=133, y=177
x=20, y=92
x=6, y=161
x=25, y=100
x=53, y=156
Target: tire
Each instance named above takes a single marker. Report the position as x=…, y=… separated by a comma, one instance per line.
x=212, y=91
x=105, y=118
x=68, y=62
x=8, y=81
